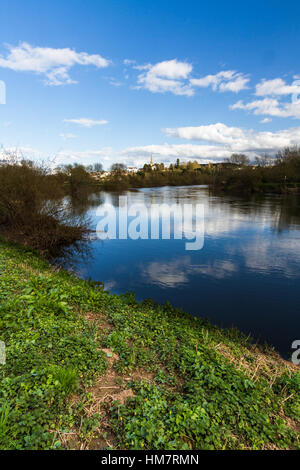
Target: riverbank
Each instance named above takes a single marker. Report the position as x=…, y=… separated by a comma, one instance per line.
x=86, y=369
x=126, y=183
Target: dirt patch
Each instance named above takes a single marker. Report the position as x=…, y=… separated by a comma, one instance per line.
x=111, y=387
x=111, y=356
x=100, y=319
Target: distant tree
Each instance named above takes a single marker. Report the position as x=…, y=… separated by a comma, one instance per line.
x=263, y=160
x=28, y=163
x=287, y=164
x=238, y=159
x=147, y=168
x=78, y=176
x=98, y=167
x=118, y=169
x=177, y=164
x=159, y=166
x=288, y=155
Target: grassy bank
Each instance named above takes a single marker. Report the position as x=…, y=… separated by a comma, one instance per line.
x=86, y=369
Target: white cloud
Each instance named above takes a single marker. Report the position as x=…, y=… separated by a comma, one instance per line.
x=86, y=122
x=266, y=120
x=178, y=272
x=270, y=107
x=227, y=80
x=167, y=153
x=167, y=76
x=236, y=85
x=277, y=86
x=54, y=64
x=174, y=76
x=218, y=133
x=172, y=69
x=213, y=80
x=218, y=142
x=237, y=139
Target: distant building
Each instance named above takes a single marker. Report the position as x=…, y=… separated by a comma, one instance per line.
x=132, y=169
x=100, y=175
x=105, y=174
x=151, y=162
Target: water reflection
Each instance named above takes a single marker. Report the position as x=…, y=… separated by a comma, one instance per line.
x=84, y=200
x=178, y=272
x=246, y=275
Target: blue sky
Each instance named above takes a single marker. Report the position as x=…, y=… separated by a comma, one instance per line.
x=90, y=81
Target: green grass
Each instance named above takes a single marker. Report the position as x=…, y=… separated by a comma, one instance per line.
x=206, y=388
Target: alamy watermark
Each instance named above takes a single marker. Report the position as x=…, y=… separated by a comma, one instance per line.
x=296, y=354
x=295, y=95
x=2, y=92
x=2, y=353
x=159, y=221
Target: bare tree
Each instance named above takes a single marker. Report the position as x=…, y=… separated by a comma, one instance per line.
x=238, y=159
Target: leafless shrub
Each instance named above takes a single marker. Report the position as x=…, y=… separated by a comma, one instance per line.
x=33, y=209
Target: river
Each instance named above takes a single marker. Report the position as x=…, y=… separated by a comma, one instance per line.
x=246, y=275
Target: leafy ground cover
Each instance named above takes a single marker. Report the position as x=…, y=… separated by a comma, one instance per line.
x=86, y=369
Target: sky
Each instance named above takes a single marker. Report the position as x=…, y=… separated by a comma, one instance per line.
x=86, y=81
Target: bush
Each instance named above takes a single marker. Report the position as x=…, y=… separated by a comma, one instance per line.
x=33, y=210
x=76, y=177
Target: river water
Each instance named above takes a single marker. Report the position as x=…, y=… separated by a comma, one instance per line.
x=247, y=274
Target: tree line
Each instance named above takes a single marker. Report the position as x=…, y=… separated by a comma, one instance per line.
x=36, y=203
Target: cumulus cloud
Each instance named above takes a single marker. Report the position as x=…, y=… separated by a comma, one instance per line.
x=218, y=142
x=167, y=153
x=174, y=76
x=54, y=64
x=270, y=104
x=237, y=139
x=277, y=86
x=86, y=122
x=218, y=133
x=270, y=107
x=167, y=76
x=227, y=80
